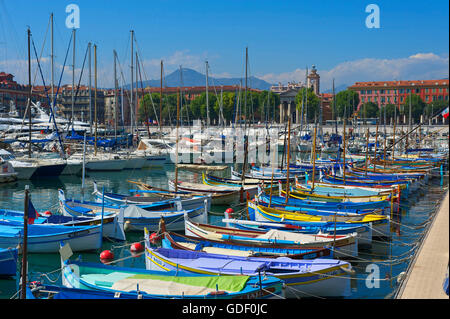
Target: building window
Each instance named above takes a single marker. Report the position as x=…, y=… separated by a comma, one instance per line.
x=434, y=90
x=400, y=91
x=440, y=98
x=440, y=90
x=401, y=99
x=427, y=98
x=369, y=91
x=381, y=91
x=363, y=92
x=417, y=91
x=369, y=99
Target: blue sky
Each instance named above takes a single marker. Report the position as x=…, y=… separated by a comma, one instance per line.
x=283, y=36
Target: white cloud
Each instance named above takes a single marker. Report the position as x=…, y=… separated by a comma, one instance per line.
x=420, y=66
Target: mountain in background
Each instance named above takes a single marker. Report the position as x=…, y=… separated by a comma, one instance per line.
x=194, y=78
x=337, y=89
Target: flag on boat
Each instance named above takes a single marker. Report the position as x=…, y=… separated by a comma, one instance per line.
x=445, y=113
x=32, y=213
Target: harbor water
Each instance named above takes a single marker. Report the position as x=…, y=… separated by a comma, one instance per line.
x=378, y=270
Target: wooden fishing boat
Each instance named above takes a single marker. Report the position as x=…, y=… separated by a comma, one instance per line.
x=386, y=190
x=216, y=198
x=364, y=231
x=230, y=194
x=184, y=242
x=350, y=207
x=317, y=277
x=46, y=238
x=149, y=284
x=325, y=211
x=339, y=191
x=113, y=224
x=344, y=246
x=380, y=223
x=136, y=217
x=296, y=193
x=8, y=262
x=202, y=167
x=142, y=201
x=247, y=181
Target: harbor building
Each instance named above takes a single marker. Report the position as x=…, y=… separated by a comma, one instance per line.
x=396, y=92
x=288, y=94
x=14, y=96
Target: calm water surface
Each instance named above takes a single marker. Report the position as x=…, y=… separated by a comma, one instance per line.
x=391, y=258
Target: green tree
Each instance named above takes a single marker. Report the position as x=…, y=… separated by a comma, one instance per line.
x=227, y=105
x=312, y=100
x=368, y=110
x=268, y=106
x=417, y=107
x=390, y=112
x=146, y=110
x=198, y=107
x=346, y=103
x=434, y=107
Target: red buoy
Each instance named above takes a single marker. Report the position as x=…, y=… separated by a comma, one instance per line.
x=107, y=255
x=154, y=237
x=47, y=213
x=228, y=212
x=136, y=247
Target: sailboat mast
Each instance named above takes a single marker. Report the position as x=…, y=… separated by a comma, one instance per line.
x=95, y=98
x=132, y=85
x=29, y=101
x=160, y=100
x=52, y=68
x=176, y=155
x=137, y=101
x=90, y=91
x=288, y=157
x=245, y=124
x=115, y=95
x=334, y=111
x=207, y=101
x=306, y=100
x=73, y=77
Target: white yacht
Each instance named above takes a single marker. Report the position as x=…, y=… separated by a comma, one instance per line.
x=24, y=169
x=7, y=173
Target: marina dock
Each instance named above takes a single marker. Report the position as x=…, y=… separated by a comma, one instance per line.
x=426, y=275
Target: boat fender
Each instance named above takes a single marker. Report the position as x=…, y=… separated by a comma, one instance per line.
x=228, y=212
x=217, y=293
x=136, y=247
x=47, y=213
x=154, y=238
x=348, y=270
x=107, y=255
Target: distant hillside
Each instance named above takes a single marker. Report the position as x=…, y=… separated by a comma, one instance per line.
x=337, y=89
x=194, y=78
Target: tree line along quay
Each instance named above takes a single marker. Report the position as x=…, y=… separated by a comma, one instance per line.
x=263, y=106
